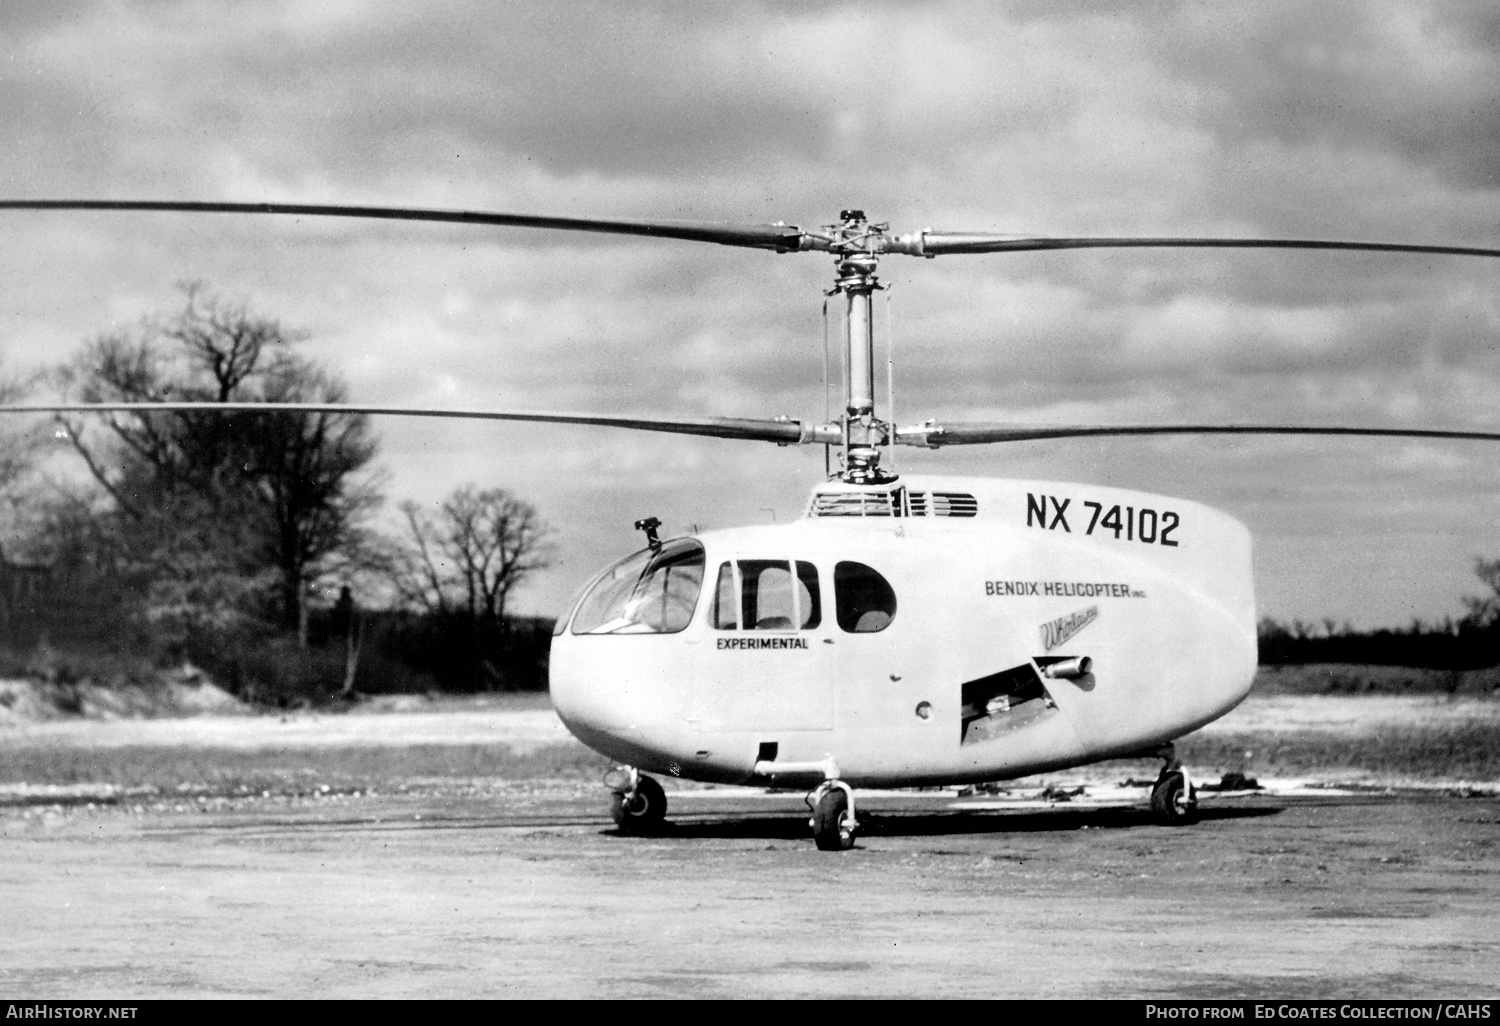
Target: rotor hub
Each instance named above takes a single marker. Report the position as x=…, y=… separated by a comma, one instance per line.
x=862, y=466
x=854, y=236
x=856, y=271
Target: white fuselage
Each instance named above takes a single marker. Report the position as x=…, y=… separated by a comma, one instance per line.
x=987, y=583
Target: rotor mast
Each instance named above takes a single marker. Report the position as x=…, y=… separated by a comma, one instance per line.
x=857, y=244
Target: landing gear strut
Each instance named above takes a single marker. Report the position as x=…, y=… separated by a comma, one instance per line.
x=833, y=822
x=637, y=803
x=1174, y=800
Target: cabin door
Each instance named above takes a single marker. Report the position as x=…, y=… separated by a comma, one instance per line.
x=764, y=665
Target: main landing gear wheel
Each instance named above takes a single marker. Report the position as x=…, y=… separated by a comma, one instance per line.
x=1172, y=800
x=831, y=822
x=639, y=811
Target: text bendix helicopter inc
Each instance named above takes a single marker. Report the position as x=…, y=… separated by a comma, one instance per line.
x=906, y=630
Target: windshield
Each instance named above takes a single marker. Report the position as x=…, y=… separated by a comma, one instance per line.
x=647, y=593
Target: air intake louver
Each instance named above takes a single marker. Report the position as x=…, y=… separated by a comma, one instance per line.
x=888, y=504
x=954, y=504
x=852, y=504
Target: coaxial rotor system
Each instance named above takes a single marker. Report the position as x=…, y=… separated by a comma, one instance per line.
x=857, y=244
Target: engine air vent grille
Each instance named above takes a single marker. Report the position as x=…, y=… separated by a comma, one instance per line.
x=890, y=504
x=954, y=504
x=852, y=504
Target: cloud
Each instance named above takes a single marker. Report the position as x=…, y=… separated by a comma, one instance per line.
x=1415, y=80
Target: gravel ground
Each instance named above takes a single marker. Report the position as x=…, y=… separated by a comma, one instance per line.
x=491, y=887
x=530, y=893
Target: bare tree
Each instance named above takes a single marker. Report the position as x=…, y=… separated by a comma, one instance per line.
x=248, y=505
x=18, y=444
x=18, y=447
x=465, y=558
x=1484, y=610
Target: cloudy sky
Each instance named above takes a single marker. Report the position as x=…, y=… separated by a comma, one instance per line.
x=1376, y=121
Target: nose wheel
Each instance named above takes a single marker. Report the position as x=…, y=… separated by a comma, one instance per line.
x=637, y=804
x=1174, y=800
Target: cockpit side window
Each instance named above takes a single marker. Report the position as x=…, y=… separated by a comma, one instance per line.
x=864, y=601
x=726, y=611
x=809, y=601
x=766, y=595
x=767, y=599
x=651, y=592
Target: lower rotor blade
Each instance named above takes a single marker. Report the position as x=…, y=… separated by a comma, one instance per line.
x=780, y=431
x=937, y=435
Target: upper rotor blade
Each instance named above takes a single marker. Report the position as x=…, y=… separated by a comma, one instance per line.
x=783, y=432
x=946, y=243
x=936, y=435
x=780, y=237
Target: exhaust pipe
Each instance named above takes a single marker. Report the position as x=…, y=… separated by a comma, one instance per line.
x=1069, y=669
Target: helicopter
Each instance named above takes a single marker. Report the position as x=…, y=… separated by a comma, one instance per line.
x=906, y=630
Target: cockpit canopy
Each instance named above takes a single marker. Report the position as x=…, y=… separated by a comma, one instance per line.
x=655, y=591
x=651, y=592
